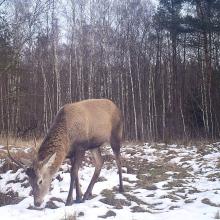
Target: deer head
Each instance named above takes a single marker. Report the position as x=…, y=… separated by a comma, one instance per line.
x=40, y=178
x=39, y=174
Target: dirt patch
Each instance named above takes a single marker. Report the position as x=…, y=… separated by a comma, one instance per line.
x=138, y=209
x=18, y=153
x=56, y=199
x=174, y=183
x=193, y=190
x=101, y=179
x=157, y=172
x=134, y=199
x=209, y=202
x=182, y=174
x=189, y=200
x=51, y=205
x=8, y=165
x=214, y=176
x=128, y=180
x=150, y=195
x=109, y=213
x=117, y=203
x=147, y=182
x=9, y=198
x=25, y=185
x=174, y=207
x=154, y=206
x=151, y=187
x=111, y=200
x=137, y=165
x=173, y=198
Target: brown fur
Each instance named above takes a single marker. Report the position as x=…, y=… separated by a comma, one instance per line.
x=78, y=127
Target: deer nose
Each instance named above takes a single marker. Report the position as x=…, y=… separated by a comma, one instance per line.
x=37, y=204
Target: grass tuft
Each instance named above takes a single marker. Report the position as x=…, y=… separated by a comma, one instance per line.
x=69, y=217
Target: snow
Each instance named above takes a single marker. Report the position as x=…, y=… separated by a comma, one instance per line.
x=188, y=179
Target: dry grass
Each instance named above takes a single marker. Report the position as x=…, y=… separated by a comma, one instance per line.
x=190, y=142
x=19, y=155
x=109, y=199
x=9, y=198
x=138, y=209
x=133, y=143
x=18, y=151
x=19, y=142
x=109, y=213
x=209, y=202
x=68, y=217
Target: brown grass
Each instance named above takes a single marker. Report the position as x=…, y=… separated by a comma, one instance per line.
x=18, y=153
x=209, y=202
x=69, y=217
x=109, y=213
x=138, y=209
x=190, y=142
x=133, y=143
x=9, y=165
x=109, y=199
x=9, y=198
x=19, y=142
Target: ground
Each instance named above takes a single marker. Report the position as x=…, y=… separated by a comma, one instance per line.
x=161, y=182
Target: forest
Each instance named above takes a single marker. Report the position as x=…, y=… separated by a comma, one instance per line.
x=158, y=61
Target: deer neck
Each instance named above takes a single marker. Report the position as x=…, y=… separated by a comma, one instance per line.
x=56, y=141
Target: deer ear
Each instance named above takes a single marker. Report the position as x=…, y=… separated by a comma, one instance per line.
x=49, y=160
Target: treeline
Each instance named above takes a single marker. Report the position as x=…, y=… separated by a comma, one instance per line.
x=159, y=64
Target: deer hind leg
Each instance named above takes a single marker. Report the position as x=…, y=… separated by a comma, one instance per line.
x=76, y=161
x=116, y=145
x=98, y=162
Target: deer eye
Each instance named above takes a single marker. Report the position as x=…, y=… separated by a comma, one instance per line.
x=40, y=182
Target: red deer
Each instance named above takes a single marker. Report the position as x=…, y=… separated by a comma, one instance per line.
x=78, y=127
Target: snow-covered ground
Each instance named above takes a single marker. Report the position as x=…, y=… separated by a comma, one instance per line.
x=161, y=182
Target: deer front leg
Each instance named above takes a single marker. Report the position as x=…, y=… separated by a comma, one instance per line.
x=76, y=162
x=98, y=161
x=78, y=190
x=69, y=200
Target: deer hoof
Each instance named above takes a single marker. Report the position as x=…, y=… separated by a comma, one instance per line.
x=68, y=203
x=79, y=200
x=87, y=196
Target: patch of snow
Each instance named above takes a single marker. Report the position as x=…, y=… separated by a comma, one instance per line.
x=172, y=145
x=212, y=156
